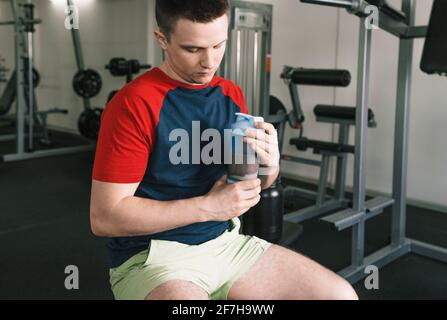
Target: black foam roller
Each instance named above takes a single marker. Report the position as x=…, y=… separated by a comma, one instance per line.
x=321, y=77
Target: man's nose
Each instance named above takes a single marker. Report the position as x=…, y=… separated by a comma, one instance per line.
x=207, y=59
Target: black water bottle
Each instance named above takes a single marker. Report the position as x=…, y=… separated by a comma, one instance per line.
x=265, y=220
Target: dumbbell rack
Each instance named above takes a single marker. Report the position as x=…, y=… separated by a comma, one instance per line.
x=120, y=67
x=400, y=24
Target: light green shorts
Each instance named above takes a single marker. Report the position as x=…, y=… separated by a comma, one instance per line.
x=214, y=265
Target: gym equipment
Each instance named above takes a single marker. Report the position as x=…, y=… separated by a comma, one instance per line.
x=318, y=77
x=2, y=70
x=358, y=7
x=247, y=59
x=87, y=83
x=344, y=117
x=119, y=67
x=400, y=24
x=435, y=49
x=247, y=62
x=279, y=112
x=9, y=94
x=21, y=87
x=89, y=123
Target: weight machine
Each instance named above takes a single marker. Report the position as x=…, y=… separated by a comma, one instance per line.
x=21, y=89
x=399, y=23
x=344, y=117
x=247, y=62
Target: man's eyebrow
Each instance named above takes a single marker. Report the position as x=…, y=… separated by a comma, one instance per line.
x=188, y=46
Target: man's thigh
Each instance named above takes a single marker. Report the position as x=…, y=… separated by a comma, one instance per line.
x=178, y=290
x=281, y=273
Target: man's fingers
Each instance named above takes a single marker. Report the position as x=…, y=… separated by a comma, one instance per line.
x=249, y=203
x=222, y=180
x=268, y=127
x=252, y=193
x=259, y=143
x=263, y=155
x=249, y=184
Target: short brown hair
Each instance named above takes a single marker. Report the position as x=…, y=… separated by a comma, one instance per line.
x=168, y=12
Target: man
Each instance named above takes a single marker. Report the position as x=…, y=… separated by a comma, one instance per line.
x=175, y=227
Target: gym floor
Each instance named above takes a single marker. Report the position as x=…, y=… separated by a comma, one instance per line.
x=44, y=227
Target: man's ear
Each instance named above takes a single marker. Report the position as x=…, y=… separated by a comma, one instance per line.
x=161, y=38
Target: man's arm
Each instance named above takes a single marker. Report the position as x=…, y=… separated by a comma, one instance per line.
x=268, y=175
x=116, y=212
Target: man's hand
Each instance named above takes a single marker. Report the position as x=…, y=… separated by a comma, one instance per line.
x=265, y=144
x=226, y=201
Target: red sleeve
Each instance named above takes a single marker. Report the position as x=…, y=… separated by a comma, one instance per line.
x=125, y=140
x=240, y=100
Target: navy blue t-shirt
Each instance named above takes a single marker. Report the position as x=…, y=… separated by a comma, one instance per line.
x=134, y=146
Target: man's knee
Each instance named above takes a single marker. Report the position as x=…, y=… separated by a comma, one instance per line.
x=343, y=290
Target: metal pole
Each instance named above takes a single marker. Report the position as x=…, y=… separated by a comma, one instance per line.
x=398, y=223
x=20, y=101
x=340, y=180
x=255, y=93
x=347, y=4
x=78, y=52
x=322, y=181
x=76, y=42
x=29, y=55
x=361, y=127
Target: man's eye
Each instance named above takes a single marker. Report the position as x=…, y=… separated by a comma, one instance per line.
x=193, y=50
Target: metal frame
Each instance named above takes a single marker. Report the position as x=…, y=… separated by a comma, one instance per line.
x=76, y=38
x=363, y=210
x=23, y=48
x=250, y=21
x=250, y=32
x=323, y=203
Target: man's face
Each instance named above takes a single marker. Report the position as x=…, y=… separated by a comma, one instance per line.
x=195, y=50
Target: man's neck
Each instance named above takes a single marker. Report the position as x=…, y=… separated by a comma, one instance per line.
x=166, y=68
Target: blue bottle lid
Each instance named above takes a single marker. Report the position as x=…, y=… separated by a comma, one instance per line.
x=244, y=121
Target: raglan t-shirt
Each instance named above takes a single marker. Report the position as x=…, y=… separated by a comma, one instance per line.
x=134, y=146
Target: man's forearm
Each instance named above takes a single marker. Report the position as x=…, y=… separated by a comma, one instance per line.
x=134, y=216
x=268, y=176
